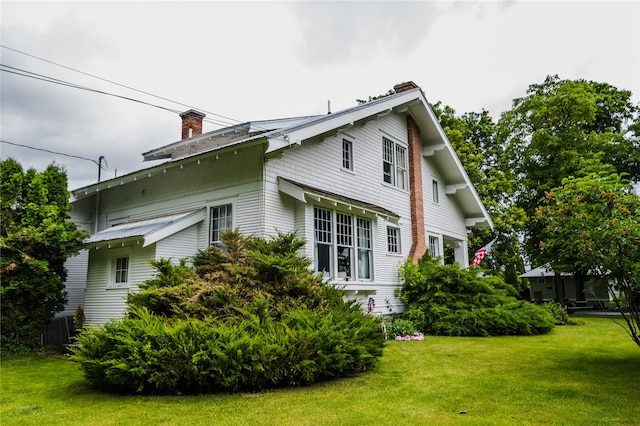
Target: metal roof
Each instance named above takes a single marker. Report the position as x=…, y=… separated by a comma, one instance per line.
x=151, y=230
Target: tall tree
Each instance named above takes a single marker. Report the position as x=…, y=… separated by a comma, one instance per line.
x=36, y=238
x=593, y=224
x=472, y=135
x=566, y=128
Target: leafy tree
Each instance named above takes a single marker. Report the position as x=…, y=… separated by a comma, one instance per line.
x=472, y=135
x=36, y=238
x=566, y=128
x=592, y=224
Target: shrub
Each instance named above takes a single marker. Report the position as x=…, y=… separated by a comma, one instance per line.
x=250, y=319
x=400, y=327
x=558, y=312
x=148, y=353
x=447, y=300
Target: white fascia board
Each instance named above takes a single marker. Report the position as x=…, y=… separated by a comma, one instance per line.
x=460, y=168
x=292, y=190
x=340, y=120
x=177, y=226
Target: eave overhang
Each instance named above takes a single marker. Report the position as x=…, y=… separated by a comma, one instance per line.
x=305, y=193
x=144, y=232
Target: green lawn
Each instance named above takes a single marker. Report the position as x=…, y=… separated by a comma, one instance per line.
x=582, y=375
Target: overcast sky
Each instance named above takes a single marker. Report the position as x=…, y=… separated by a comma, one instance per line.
x=260, y=60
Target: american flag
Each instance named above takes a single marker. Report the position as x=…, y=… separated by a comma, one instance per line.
x=480, y=254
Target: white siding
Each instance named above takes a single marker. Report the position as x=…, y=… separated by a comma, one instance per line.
x=318, y=163
x=76, y=282
x=103, y=303
x=444, y=217
x=178, y=246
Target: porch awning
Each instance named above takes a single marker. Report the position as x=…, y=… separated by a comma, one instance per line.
x=301, y=192
x=149, y=231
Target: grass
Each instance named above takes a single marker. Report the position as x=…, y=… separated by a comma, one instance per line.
x=582, y=375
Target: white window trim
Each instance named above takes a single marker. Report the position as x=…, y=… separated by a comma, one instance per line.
x=394, y=164
x=397, y=228
x=435, y=189
x=220, y=203
x=350, y=143
x=115, y=255
x=440, y=248
x=333, y=274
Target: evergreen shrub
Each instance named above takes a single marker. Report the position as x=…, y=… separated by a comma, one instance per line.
x=250, y=316
x=448, y=300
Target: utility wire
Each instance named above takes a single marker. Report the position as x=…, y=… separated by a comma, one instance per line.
x=232, y=120
x=25, y=73
x=52, y=152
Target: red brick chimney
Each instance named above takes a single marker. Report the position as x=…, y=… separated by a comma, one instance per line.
x=403, y=87
x=419, y=245
x=191, y=123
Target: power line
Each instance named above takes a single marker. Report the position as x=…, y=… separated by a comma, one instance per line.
x=24, y=73
x=232, y=120
x=96, y=162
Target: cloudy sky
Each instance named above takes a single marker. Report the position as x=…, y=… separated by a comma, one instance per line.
x=240, y=61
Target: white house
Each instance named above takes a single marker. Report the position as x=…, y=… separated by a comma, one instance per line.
x=367, y=187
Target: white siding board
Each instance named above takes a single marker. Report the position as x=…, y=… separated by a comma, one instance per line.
x=178, y=246
x=76, y=282
x=103, y=303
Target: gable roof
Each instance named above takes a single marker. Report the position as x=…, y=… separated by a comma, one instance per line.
x=281, y=134
x=149, y=231
x=541, y=272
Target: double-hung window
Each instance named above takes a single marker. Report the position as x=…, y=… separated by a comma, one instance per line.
x=365, y=249
x=434, y=246
x=343, y=246
x=393, y=240
x=120, y=269
x=221, y=221
x=394, y=163
x=347, y=154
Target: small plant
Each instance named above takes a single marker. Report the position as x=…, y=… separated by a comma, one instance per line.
x=78, y=318
x=558, y=312
x=400, y=327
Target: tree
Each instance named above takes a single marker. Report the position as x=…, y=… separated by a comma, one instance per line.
x=472, y=135
x=36, y=238
x=566, y=128
x=592, y=224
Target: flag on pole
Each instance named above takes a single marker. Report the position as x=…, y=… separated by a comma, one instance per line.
x=480, y=254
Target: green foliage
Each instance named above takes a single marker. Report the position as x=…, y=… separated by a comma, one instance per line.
x=592, y=225
x=400, y=327
x=472, y=135
x=447, y=300
x=564, y=128
x=36, y=238
x=558, y=312
x=250, y=317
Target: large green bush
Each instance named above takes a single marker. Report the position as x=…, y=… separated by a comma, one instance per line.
x=249, y=317
x=447, y=300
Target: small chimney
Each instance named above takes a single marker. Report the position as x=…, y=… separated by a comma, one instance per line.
x=403, y=87
x=191, y=123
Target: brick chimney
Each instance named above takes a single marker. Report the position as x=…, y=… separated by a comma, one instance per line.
x=403, y=87
x=419, y=245
x=191, y=123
